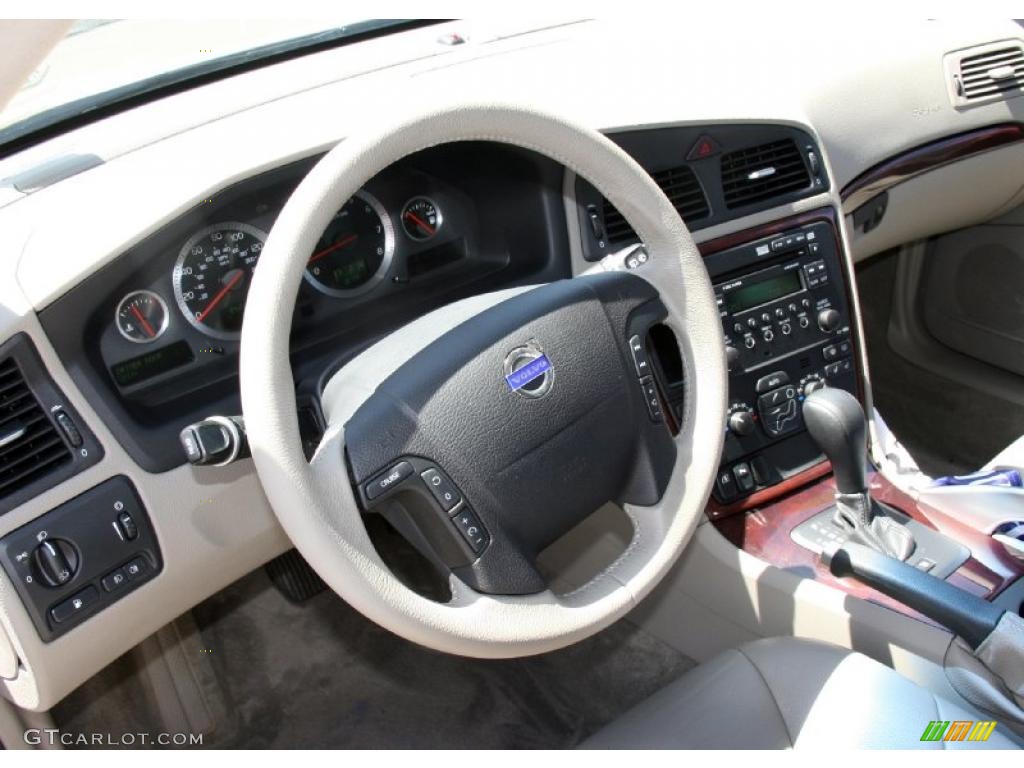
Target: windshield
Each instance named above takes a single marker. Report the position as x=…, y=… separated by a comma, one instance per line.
x=102, y=62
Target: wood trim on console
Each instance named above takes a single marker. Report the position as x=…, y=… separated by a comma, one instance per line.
x=765, y=534
x=927, y=157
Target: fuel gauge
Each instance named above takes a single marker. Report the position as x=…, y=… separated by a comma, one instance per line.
x=141, y=317
x=421, y=218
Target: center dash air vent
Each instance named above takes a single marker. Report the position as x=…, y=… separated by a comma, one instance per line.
x=30, y=446
x=683, y=190
x=760, y=173
x=988, y=73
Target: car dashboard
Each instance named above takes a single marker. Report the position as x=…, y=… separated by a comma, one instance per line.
x=124, y=316
x=158, y=348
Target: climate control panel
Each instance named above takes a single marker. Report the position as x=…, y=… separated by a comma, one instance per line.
x=786, y=330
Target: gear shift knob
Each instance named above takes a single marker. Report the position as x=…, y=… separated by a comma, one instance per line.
x=836, y=422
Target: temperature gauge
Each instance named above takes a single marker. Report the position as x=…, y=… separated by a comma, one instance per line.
x=141, y=317
x=421, y=218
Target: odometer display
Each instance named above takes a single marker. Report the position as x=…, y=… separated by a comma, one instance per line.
x=355, y=250
x=212, y=276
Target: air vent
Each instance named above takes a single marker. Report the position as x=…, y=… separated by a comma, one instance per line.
x=757, y=174
x=683, y=190
x=30, y=446
x=989, y=73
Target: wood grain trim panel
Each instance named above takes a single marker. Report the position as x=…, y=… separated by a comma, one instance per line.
x=765, y=533
x=927, y=157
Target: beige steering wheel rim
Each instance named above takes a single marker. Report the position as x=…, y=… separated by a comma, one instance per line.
x=314, y=501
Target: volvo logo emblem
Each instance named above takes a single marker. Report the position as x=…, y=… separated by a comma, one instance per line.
x=528, y=371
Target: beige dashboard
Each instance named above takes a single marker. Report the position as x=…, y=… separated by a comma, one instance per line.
x=865, y=98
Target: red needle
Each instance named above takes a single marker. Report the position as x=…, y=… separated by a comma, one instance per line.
x=145, y=323
x=220, y=296
x=331, y=249
x=419, y=222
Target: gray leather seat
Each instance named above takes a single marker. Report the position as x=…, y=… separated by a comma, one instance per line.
x=784, y=692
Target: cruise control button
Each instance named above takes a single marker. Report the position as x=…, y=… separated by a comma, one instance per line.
x=74, y=605
x=643, y=366
x=442, y=489
x=472, y=530
x=650, y=392
x=387, y=480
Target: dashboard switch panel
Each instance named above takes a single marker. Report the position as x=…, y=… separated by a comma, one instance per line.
x=77, y=559
x=784, y=313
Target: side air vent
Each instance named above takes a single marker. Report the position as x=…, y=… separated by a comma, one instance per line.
x=683, y=190
x=757, y=174
x=30, y=445
x=988, y=73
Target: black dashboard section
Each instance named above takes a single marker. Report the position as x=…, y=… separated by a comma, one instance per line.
x=43, y=439
x=711, y=173
x=503, y=225
x=82, y=556
x=788, y=331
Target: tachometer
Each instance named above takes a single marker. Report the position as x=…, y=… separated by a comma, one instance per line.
x=211, y=277
x=355, y=251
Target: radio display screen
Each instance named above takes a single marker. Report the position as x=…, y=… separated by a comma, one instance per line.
x=762, y=292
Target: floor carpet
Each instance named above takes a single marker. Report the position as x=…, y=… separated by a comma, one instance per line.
x=320, y=675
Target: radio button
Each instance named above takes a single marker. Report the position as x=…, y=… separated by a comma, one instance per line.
x=640, y=361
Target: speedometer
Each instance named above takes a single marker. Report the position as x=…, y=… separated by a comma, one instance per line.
x=355, y=250
x=212, y=275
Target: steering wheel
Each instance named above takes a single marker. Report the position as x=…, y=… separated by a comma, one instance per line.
x=488, y=428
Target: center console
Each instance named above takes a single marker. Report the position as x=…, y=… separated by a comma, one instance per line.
x=787, y=330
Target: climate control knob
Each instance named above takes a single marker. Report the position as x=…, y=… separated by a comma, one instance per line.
x=56, y=562
x=741, y=422
x=811, y=384
x=828, y=320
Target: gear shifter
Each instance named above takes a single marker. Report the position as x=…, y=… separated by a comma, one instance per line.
x=836, y=422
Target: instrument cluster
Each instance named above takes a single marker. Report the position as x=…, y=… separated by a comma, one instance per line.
x=214, y=266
